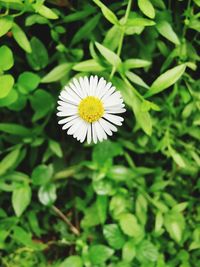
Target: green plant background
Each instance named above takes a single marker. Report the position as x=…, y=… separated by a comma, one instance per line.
x=130, y=201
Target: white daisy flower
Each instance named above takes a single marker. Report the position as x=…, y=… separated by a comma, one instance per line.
x=88, y=106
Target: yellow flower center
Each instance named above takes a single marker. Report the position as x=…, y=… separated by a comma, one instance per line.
x=91, y=109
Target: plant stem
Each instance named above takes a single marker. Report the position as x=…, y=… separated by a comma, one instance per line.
x=66, y=220
x=122, y=35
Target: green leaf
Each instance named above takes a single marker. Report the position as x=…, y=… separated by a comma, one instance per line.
x=57, y=73
x=147, y=8
x=105, y=151
x=45, y=11
x=136, y=79
x=166, y=79
x=21, y=38
x=133, y=63
x=98, y=254
x=158, y=221
x=6, y=84
x=78, y=15
x=91, y=217
x=102, y=205
x=108, y=14
x=147, y=252
x=8, y=161
x=141, y=209
x=55, y=148
x=139, y=22
x=39, y=58
x=129, y=251
x=88, y=27
x=129, y=225
x=114, y=236
x=5, y=24
x=35, y=19
x=109, y=55
x=175, y=224
x=42, y=174
x=142, y=116
x=21, y=198
x=42, y=103
x=90, y=65
x=72, y=261
x=6, y=57
x=22, y=237
x=177, y=157
x=28, y=81
x=9, y=99
x=166, y=30
x=47, y=194
x=15, y=129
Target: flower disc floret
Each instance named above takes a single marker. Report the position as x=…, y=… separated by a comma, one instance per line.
x=91, y=109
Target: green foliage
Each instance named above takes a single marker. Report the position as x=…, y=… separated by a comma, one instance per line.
x=133, y=200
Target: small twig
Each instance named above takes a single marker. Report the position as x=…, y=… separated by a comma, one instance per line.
x=66, y=220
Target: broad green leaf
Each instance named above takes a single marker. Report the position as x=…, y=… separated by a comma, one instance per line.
x=166, y=30
x=109, y=55
x=42, y=102
x=8, y=161
x=6, y=58
x=9, y=99
x=180, y=207
x=21, y=38
x=105, y=151
x=136, y=79
x=21, y=198
x=108, y=14
x=42, y=174
x=90, y=65
x=91, y=217
x=86, y=28
x=133, y=63
x=112, y=37
x=39, y=58
x=24, y=238
x=177, y=157
x=28, y=81
x=130, y=226
x=120, y=173
x=6, y=84
x=147, y=8
x=35, y=19
x=5, y=24
x=114, y=236
x=197, y=2
x=99, y=254
x=45, y=11
x=102, y=205
x=129, y=251
x=142, y=117
x=147, y=252
x=47, y=194
x=166, y=79
x=57, y=73
x=72, y=261
x=15, y=129
x=158, y=221
x=55, y=148
x=141, y=209
x=175, y=224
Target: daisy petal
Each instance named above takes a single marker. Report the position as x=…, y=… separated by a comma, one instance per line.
x=114, y=119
